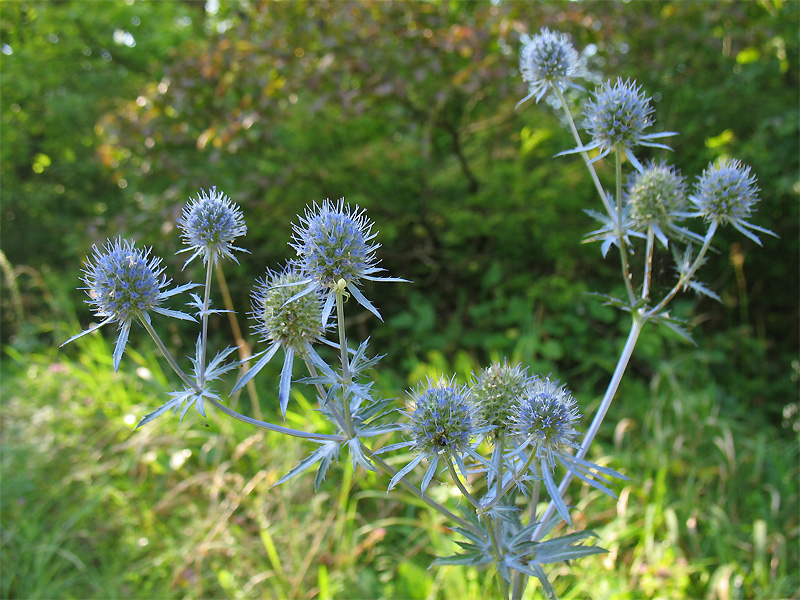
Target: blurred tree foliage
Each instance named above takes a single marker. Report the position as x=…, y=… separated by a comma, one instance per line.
x=407, y=108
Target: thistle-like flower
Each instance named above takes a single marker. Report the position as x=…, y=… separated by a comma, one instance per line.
x=284, y=320
x=546, y=59
x=617, y=119
x=545, y=420
x=656, y=197
x=725, y=193
x=125, y=283
x=209, y=225
x=442, y=419
x=335, y=249
x=496, y=393
x=442, y=422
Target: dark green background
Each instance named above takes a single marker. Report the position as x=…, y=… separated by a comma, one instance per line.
x=407, y=109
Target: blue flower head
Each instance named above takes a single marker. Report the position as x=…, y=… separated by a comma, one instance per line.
x=656, y=197
x=546, y=418
x=125, y=283
x=284, y=320
x=335, y=250
x=725, y=193
x=209, y=225
x=496, y=393
x=442, y=419
x=546, y=59
x=617, y=118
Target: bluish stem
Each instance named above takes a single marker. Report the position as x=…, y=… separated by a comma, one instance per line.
x=636, y=328
x=277, y=428
x=170, y=359
x=387, y=468
x=201, y=374
x=585, y=155
x=623, y=248
x=689, y=273
x=346, y=375
x=648, y=263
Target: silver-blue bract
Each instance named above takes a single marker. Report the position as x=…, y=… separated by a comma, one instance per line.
x=546, y=59
x=209, y=225
x=335, y=251
x=725, y=193
x=125, y=283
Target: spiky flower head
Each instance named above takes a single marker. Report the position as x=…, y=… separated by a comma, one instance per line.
x=617, y=118
x=496, y=392
x=335, y=251
x=125, y=283
x=292, y=323
x=546, y=419
x=656, y=197
x=209, y=225
x=725, y=193
x=546, y=59
x=334, y=242
x=285, y=318
x=442, y=418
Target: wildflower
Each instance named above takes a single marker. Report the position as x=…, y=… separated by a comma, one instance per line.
x=125, y=283
x=725, y=193
x=442, y=423
x=284, y=320
x=335, y=250
x=545, y=419
x=496, y=392
x=616, y=120
x=546, y=59
x=209, y=225
x=656, y=198
x=442, y=418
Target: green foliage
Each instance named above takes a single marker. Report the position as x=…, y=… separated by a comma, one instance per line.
x=407, y=109
x=92, y=509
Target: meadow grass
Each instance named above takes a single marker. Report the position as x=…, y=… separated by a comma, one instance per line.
x=93, y=509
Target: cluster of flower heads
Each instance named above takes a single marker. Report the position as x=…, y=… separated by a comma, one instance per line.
x=125, y=283
x=503, y=403
x=617, y=117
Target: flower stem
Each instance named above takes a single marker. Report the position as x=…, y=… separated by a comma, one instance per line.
x=168, y=356
x=347, y=378
x=688, y=274
x=648, y=263
x=201, y=374
x=459, y=483
x=623, y=247
x=389, y=470
x=636, y=328
x=245, y=350
x=277, y=428
x=585, y=155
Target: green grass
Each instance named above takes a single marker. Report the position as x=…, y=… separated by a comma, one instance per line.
x=93, y=509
